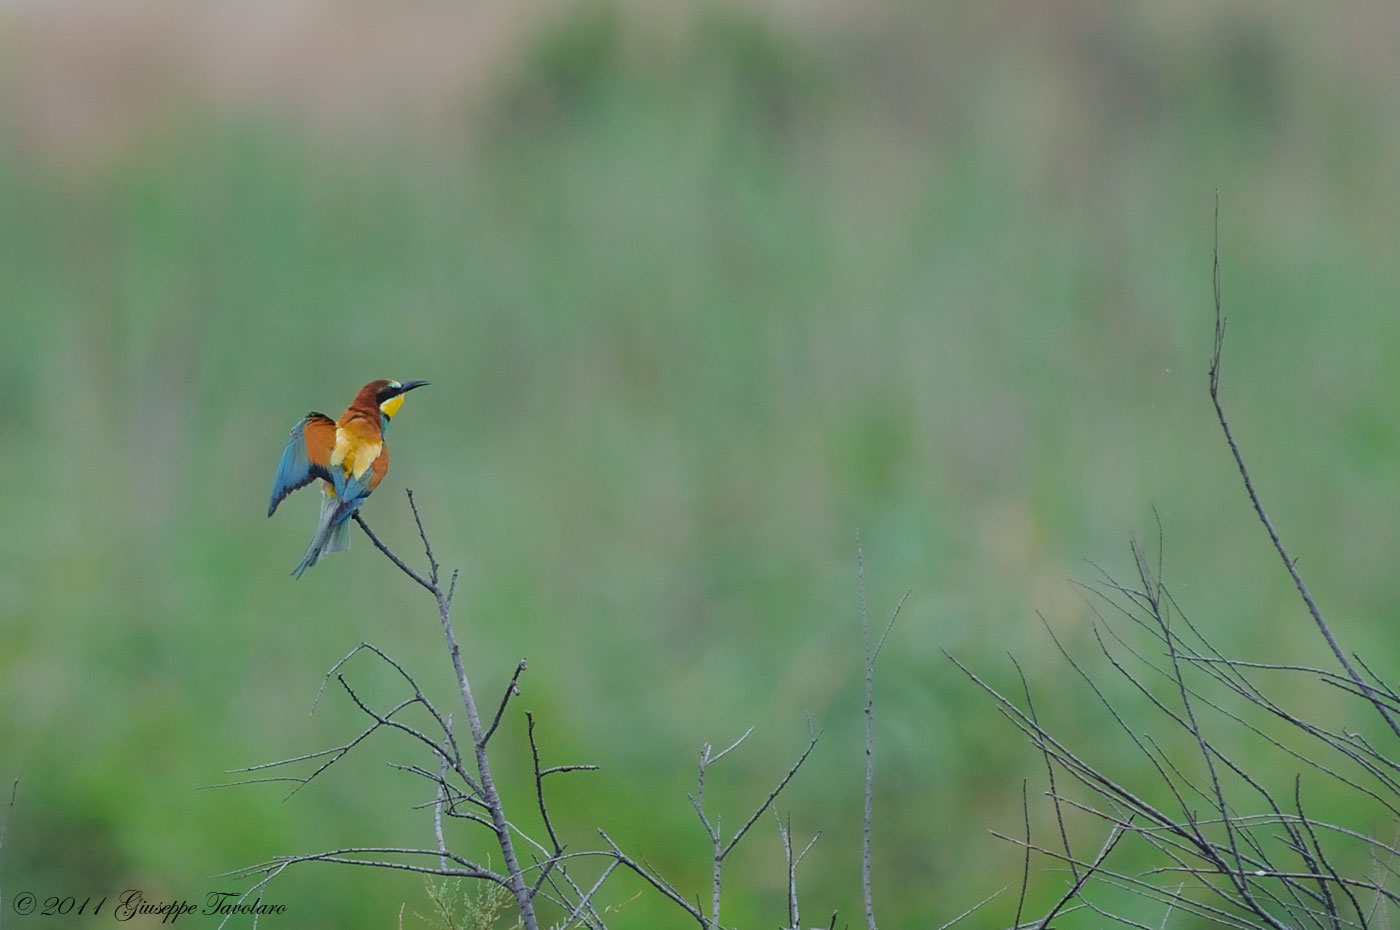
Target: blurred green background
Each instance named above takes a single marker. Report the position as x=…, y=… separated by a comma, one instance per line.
x=703, y=290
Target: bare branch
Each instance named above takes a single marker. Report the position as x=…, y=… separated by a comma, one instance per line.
x=711, y=759
x=5, y=828
x=1049, y=771
x=1288, y=561
x=480, y=782
x=772, y=795
x=871, y=654
x=584, y=900
x=719, y=848
x=971, y=910
x=540, y=774
x=403, y=567
x=657, y=882
x=792, y=862
x=1026, y=862
x=867, y=898
x=451, y=751
x=512, y=689
x=423, y=535
x=335, y=754
x=1228, y=854
x=442, y=797
x=785, y=835
x=346, y=856
x=697, y=801
x=1108, y=845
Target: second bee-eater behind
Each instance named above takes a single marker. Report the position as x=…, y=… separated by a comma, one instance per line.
x=350, y=457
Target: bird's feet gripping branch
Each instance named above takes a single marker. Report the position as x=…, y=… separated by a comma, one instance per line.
x=348, y=455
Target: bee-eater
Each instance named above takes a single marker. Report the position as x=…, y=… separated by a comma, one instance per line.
x=349, y=456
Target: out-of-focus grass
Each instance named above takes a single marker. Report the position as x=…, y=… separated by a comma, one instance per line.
x=695, y=308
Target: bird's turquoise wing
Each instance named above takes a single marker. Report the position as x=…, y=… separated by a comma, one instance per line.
x=306, y=457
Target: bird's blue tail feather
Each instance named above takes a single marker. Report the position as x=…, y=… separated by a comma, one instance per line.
x=332, y=532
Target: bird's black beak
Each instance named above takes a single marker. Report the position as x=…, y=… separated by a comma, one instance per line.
x=403, y=388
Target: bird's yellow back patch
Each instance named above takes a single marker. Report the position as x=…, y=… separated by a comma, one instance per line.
x=365, y=456
x=353, y=452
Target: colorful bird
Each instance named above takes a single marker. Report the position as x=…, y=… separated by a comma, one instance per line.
x=350, y=457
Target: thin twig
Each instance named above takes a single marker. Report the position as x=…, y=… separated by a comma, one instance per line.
x=785, y=835
x=871, y=654
x=583, y=902
x=1049, y=770
x=540, y=774
x=5, y=829
x=868, y=811
x=346, y=855
x=1288, y=561
x=654, y=880
x=1026, y=862
x=792, y=862
x=975, y=908
x=512, y=689
x=772, y=795
x=1112, y=841
x=403, y=567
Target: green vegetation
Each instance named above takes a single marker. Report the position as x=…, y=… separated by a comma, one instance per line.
x=698, y=301
x=456, y=906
